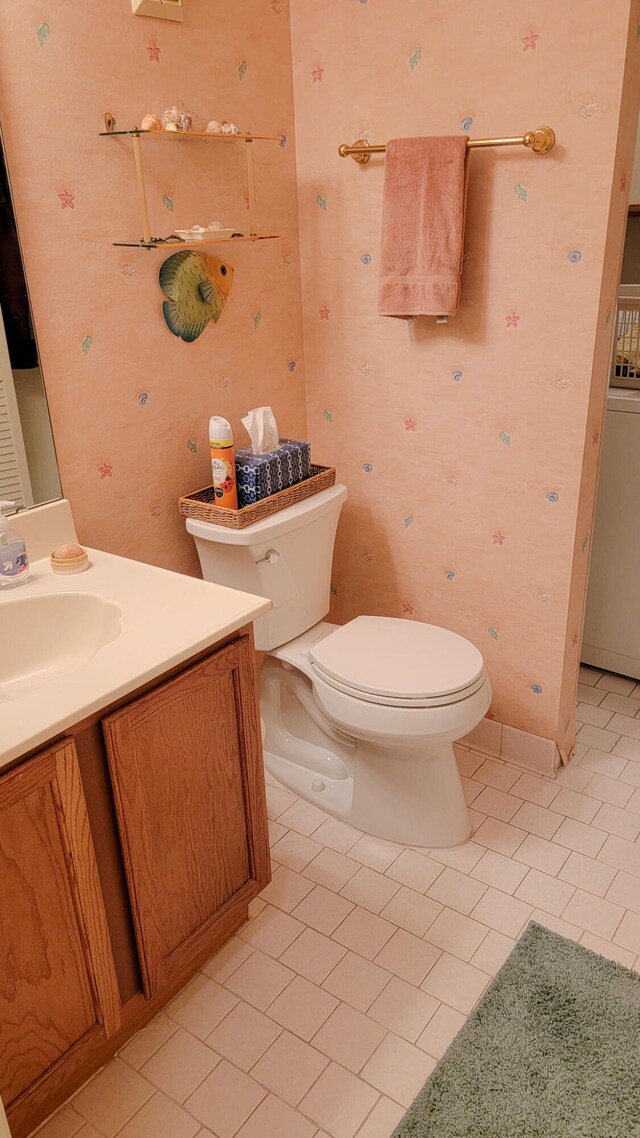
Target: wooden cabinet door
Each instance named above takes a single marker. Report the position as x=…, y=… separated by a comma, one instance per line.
x=186, y=766
x=58, y=990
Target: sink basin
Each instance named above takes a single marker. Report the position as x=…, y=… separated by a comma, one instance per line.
x=51, y=635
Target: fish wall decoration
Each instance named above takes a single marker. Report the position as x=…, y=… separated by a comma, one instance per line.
x=197, y=287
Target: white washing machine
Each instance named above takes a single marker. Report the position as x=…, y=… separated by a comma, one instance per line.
x=611, y=637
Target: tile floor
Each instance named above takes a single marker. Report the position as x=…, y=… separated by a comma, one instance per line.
x=325, y=1014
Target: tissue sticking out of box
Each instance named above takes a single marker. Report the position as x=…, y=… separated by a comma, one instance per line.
x=262, y=430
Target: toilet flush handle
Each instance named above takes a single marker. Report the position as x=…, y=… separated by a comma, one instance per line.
x=271, y=556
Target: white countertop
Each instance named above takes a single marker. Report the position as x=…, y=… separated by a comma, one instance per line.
x=166, y=619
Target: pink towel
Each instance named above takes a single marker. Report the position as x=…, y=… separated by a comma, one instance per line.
x=425, y=189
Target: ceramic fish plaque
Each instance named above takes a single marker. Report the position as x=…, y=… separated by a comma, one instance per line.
x=197, y=287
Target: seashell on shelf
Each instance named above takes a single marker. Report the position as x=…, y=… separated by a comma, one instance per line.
x=214, y=127
x=151, y=122
x=178, y=117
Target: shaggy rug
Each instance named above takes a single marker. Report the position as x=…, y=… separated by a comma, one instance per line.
x=552, y=1050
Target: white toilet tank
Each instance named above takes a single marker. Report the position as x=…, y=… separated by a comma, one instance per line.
x=287, y=558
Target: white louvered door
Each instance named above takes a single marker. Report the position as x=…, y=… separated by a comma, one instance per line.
x=15, y=484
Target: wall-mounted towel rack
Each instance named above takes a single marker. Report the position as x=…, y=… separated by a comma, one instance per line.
x=541, y=141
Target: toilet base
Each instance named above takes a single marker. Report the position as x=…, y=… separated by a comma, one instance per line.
x=413, y=811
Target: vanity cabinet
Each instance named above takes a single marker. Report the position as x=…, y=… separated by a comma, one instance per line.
x=129, y=852
x=58, y=990
x=190, y=808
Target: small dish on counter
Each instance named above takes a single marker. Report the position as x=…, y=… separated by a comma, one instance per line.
x=205, y=234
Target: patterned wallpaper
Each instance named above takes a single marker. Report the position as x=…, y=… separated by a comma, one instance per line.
x=464, y=445
x=130, y=403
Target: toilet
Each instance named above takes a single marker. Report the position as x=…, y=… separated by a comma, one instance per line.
x=361, y=718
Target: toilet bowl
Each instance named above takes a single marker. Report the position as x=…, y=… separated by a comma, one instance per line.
x=361, y=718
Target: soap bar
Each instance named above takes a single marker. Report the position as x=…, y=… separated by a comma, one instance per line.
x=260, y=475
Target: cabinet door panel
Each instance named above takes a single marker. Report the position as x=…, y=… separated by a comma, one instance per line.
x=58, y=992
x=185, y=762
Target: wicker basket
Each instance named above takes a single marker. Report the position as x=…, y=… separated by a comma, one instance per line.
x=200, y=504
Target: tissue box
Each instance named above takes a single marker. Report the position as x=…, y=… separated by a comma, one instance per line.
x=260, y=475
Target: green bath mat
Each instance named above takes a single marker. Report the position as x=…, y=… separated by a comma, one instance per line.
x=551, y=1051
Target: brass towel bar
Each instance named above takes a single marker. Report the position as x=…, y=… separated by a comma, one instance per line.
x=541, y=141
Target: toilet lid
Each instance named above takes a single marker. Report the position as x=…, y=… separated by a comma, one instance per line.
x=398, y=659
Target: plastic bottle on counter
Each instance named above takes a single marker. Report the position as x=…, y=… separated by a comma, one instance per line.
x=14, y=562
x=223, y=463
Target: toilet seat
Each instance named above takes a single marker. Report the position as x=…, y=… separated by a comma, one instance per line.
x=398, y=663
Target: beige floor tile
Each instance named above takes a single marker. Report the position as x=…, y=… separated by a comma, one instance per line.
x=339, y=1102
x=225, y=1100
x=364, y=933
x=573, y=777
x=557, y=924
x=180, y=1065
x=463, y=858
x=286, y=889
x=322, y=910
x=278, y=800
x=384, y=1118
x=609, y=790
x=609, y=949
x=628, y=932
x=160, y=1116
x=468, y=761
x=370, y=889
x=414, y=870
x=276, y=831
x=295, y=850
x=331, y=869
x=626, y=725
x=589, y=675
x=538, y=853
x=502, y=912
x=313, y=955
x=586, y=873
x=597, y=716
x=272, y=931
x=625, y=890
x=375, y=852
x=303, y=817
x=623, y=823
x=597, y=737
x=259, y=980
x=577, y=836
x=202, y=1005
x=633, y=802
x=442, y=1029
x=456, y=890
x=408, y=956
x=457, y=934
x=230, y=957
x=302, y=1008
x=243, y=1036
x=337, y=835
x=626, y=749
x=497, y=804
x=349, y=1037
x=500, y=871
x=471, y=789
x=455, y=983
x=498, y=775
x=403, y=1008
x=289, y=1067
x=631, y=776
x=602, y=762
x=274, y=1119
x=537, y=820
x=574, y=805
x=593, y=695
x=622, y=854
x=65, y=1123
x=411, y=911
x=357, y=981
x=619, y=684
x=493, y=952
x=499, y=836
x=148, y=1041
x=545, y=892
x=593, y=914
x=534, y=789
x=112, y=1097
x=399, y=1069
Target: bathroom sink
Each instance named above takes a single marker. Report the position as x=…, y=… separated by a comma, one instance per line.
x=51, y=635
